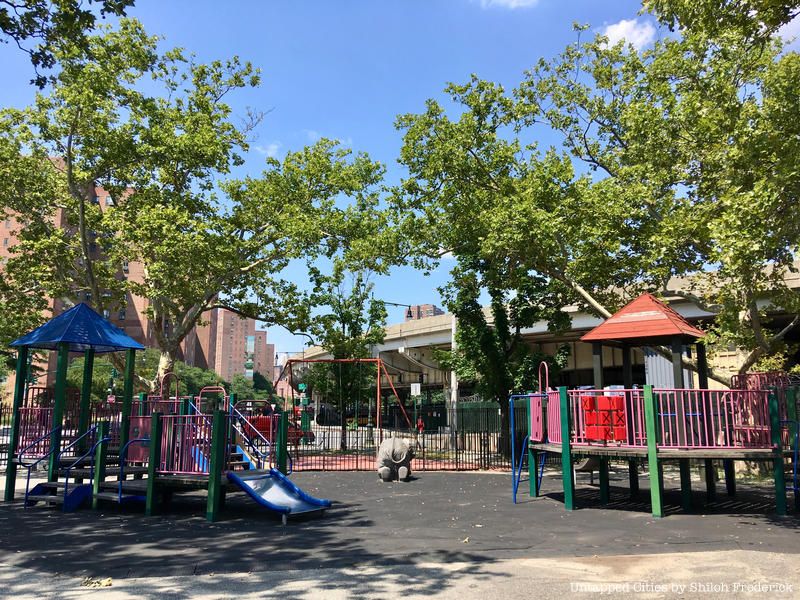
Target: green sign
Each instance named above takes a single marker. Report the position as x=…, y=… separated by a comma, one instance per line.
x=301, y=387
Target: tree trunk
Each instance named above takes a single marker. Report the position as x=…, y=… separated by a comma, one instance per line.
x=166, y=363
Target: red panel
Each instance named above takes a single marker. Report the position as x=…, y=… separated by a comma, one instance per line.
x=605, y=418
x=619, y=419
x=588, y=402
x=590, y=418
x=619, y=433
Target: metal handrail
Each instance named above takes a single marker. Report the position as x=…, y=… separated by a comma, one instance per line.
x=123, y=453
x=795, y=453
x=262, y=456
x=33, y=464
x=89, y=452
x=91, y=429
x=32, y=444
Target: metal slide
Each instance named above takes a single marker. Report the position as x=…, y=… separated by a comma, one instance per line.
x=274, y=491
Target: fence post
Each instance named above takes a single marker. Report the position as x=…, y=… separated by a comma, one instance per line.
x=775, y=432
x=86, y=397
x=656, y=482
x=633, y=478
x=13, y=441
x=59, y=401
x=283, y=442
x=100, y=459
x=153, y=464
x=218, y=440
x=566, y=451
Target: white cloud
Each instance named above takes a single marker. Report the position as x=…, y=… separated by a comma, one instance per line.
x=312, y=135
x=637, y=33
x=512, y=4
x=270, y=149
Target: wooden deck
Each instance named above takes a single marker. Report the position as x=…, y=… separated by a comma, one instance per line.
x=626, y=452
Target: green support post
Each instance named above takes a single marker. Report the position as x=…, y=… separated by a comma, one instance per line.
x=142, y=399
x=86, y=398
x=791, y=411
x=60, y=398
x=151, y=502
x=185, y=408
x=633, y=478
x=653, y=466
x=13, y=442
x=567, y=475
x=711, y=480
x=775, y=431
x=283, y=442
x=127, y=397
x=533, y=472
x=218, y=440
x=605, y=488
x=686, y=483
x=100, y=459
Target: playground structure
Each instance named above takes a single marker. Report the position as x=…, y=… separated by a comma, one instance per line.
x=757, y=421
x=142, y=450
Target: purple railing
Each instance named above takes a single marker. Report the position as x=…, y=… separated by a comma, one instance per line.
x=553, y=417
x=185, y=444
x=685, y=418
x=535, y=413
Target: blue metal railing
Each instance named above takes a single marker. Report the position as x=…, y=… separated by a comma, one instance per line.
x=123, y=455
x=516, y=467
x=30, y=466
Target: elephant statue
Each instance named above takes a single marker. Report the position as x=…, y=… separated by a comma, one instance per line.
x=394, y=459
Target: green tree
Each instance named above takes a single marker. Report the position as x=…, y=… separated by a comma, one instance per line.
x=349, y=323
x=159, y=156
x=42, y=27
x=676, y=161
x=262, y=383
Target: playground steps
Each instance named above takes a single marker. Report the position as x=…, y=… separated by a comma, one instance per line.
x=236, y=461
x=132, y=491
x=52, y=493
x=49, y=493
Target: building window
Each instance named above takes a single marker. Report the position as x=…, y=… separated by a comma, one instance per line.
x=106, y=313
x=109, y=201
x=121, y=314
x=124, y=266
x=8, y=223
x=5, y=242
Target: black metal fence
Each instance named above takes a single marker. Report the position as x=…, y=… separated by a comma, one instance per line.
x=5, y=433
x=472, y=437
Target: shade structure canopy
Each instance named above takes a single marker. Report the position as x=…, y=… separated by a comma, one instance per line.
x=645, y=320
x=81, y=328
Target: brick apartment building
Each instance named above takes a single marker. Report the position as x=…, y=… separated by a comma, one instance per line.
x=223, y=342
x=422, y=311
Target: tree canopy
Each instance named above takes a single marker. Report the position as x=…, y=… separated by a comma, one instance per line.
x=675, y=161
x=159, y=156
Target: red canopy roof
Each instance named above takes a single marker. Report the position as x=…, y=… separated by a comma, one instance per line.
x=645, y=318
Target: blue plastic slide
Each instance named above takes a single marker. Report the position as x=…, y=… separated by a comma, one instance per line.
x=274, y=491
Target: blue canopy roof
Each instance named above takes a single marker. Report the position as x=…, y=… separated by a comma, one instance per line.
x=81, y=328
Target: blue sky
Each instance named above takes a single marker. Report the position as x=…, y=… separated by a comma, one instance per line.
x=345, y=69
